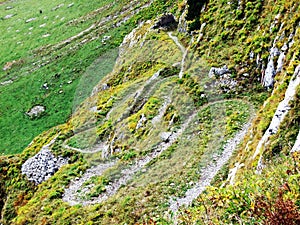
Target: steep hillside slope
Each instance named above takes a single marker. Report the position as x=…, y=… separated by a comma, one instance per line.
x=194, y=119
x=50, y=45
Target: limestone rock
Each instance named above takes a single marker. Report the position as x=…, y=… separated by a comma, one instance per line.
x=36, y=111
x=214, y=71
x=141, y=122
x=165, y=136
x=296, y=147
x=42, y=166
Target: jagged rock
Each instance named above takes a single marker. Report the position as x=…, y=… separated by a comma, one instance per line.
x=42, y=166
x=214, y=71
x=36, y=111
x=104, y=87
x=141, y=122
x=182, y=23
x=271, y=71
x=280, y=113
x=165, y=20
x=165, y=136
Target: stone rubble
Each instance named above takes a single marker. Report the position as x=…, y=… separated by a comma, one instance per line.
x=224, y=80
x=214, y=71
x=43, y=165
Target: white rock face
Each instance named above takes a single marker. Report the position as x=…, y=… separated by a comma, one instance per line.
x=271, y=71
x=296, y=147
x=269, y=74
x=281, y=111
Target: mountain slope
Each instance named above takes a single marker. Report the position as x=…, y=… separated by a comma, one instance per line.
x=208, y=115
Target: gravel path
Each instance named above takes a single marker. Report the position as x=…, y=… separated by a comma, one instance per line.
x=73, y=198
x=72, y=194
x=210, y=171
x=183, y=50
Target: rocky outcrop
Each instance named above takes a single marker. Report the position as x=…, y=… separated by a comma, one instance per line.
x=182, y=23
x=224, y=81
x=43, y=165
x=281, y=112
x=273, y=66
x=36, y=111
x=141, y=122
x=165, y=21
x=268, y=80
x=214, y=71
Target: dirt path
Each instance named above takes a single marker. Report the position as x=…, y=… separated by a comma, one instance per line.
x=184, y=52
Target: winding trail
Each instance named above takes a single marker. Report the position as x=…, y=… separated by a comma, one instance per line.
x=74, y=194
x=71, y=194
x=96, y=148
x=184, y=52
x=139, y=95
x=127, y=174
x=142, y=93
x=210, y=171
